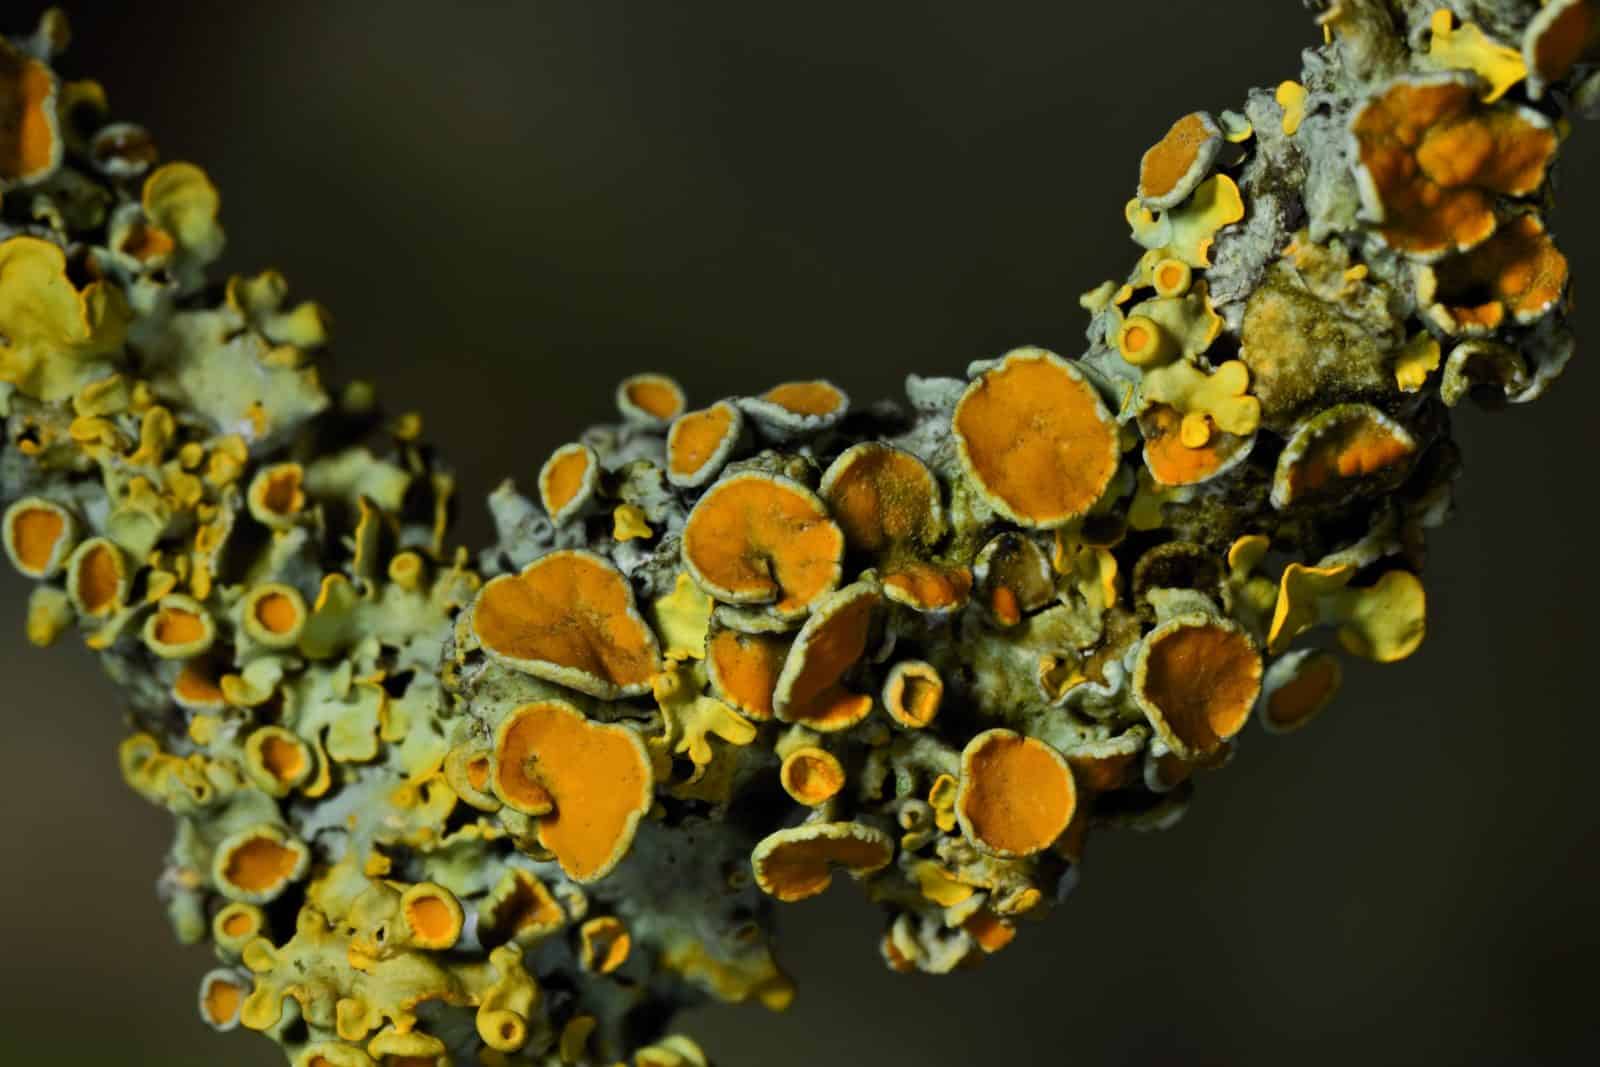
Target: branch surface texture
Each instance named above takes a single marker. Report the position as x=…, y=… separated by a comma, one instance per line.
x=522, y=807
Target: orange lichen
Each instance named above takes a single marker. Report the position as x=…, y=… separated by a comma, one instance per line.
x=604, y=944
x=1173, y=166
x=811, y=775
x=1519, y=271
x=1338, y=449
x=1016, y=793
x=1014, y=577
x=522, y=908
x=810, y=688
x=236, y=924
x=1432, y=160
x=1196, y=679
x=38, y=536
x=1144, y=343
x=433, y=916
x=567, y=481
x=816, y=398
x=274, y=614
x=598, y=778
x=763, y=539
x=257, y=865
x=883, y=498
x=1101, y=766
x=30, y=136
x=1562, y=34
x=652, y=399
x=699, y=442
x=179, y=628
x=1173, y=461
x=97, y=577
x=198, y=687
x=991, y=932
x=913, y=692
x=1298, y=688
x=278, y=759
x=277, y=494
x=928, y=587
x=1036, y=439
x=569, y=617
x=798, y=863
x=221, y=996
x=744, y=669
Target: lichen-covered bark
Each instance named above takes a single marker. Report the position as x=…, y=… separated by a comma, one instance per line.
x=521, y=807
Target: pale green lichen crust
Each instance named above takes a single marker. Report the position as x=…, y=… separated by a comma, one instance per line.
x=522, y=807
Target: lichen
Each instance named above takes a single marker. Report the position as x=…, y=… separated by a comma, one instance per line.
x=523, y=806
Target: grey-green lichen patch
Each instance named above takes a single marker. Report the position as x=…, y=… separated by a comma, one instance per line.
x=521, y=807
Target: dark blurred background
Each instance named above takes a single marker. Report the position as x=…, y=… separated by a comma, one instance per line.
x=510, y=206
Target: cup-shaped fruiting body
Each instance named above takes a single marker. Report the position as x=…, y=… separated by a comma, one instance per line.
x=796, y=408
x=1489, y=371
x=198, y=688
x=1177, y=163
x=1298, y=687
x=603, y=944
x=568, y=481
x=222, y=994
x=97, y=578
x=1196, y=678
x=432, y=915
x=39, y=536
x=520, y=908
x=1016, y=794
x=744, y=669
x=761, y=539
x=273, y=615
x=236, y=925
x=650, y=400
x=811, y=775
x=1144, y=343
x=1013, y=577
x=597, y=779
x=468, y=770
x=569, y=617
x=799, y=862
x=30, y=133
x=1170, y=277
x=883, y=498
x=1182, y=450
x=179, y=628
x=276, y=496
x=1035, y=438
x=277, y=761
x=1344, y=449
x=255, y=866
x=1562, y=34
x=1518, y=273
x=1432, y=161
x=810, y=689
x=912, y=693
x=931, y=588
x=700, y=442
x=1109, y=764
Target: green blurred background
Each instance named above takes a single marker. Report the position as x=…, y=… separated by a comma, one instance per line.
x=510, y=206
